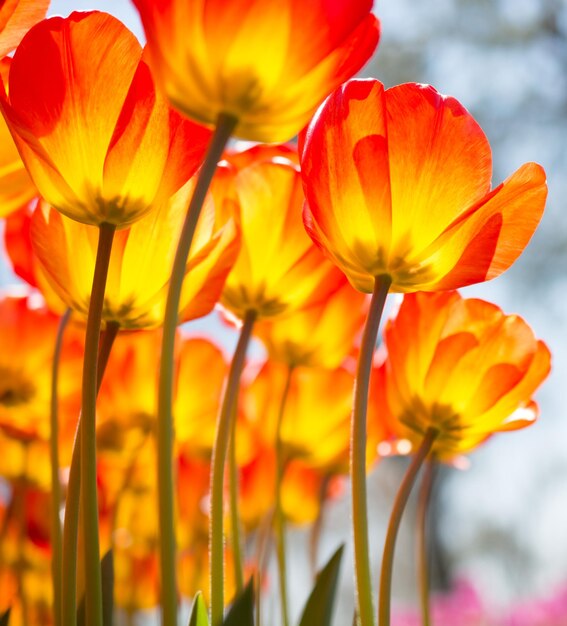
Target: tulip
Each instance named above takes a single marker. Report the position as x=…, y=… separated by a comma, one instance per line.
x=266, y=63
x=398, y=189
x=457, y=371
x=100, y=143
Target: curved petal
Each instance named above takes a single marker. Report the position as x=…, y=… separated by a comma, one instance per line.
x=346, y=178
x=440, y=164
x=269, y=63
x=491, y=236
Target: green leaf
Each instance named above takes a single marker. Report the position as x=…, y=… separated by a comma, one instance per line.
x=5, y=618
x=107, y=569
x=199, y=615
x=242, y=610
x=319, y=607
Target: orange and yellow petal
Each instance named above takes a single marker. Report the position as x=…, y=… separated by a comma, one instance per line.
x=273, y=69
x=316, y=422
x=97, y=139
x=278, y=269
x=201, y=371
x=397, y=183
x=16, y=18
x=462, y=367
x=140, y=262
x=321, y=335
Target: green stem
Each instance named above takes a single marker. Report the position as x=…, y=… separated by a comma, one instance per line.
x=363, y=578
x=423, y=561
x=216, y=535
x=394, y=524
x=316, y=530
x=19, y=495
x=72, y=506
x=56, y=532
x=234, y=515
x=262, y=554
x=225, y=126
x=279, y=518
x=89, y=496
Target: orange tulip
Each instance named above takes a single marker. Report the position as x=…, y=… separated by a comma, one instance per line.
x=101, y=145
x=315, y=424
x=27, y=337
x=300, y=489
x=267, y=63
x=17, y=241
x=16, y=187
x=398, y=184
x=140, y=262
x=461, y=367
x=127, y=397
x=25, y=557
x=201, y=371
x=321, y=335
x=131, y=527
x=278, y=270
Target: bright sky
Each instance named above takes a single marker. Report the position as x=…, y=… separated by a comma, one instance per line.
x=121, y=8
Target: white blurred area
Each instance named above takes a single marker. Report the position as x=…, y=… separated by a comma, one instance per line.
x=503, y=522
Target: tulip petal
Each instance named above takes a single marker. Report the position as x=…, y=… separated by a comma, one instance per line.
x=484, y=243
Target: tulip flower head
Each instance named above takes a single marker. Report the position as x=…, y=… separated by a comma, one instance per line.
x=140, y=262
x=27, y=335
x=278, y=269
x=315, y=423
x=99, y=142
x=267, y=63
x=398, y=184
x=461, y=367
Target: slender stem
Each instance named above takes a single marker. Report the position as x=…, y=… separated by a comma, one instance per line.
x=234, y=515
x=262, y=554
x=316, y=530
x=56, y=531
x=423, y=561
x=89, y=496
x=363, y=578
x=394, y=524
x=72, y=506
x=216, y=535
x=19, y=495
x=107, y=339
x=279, y=518
x=225, y=126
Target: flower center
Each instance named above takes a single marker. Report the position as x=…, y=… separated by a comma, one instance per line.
x=15, y=388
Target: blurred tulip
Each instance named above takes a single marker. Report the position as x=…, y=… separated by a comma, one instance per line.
x=300, y=489
x=17, y=241
x=320, y=335
x=201, y=372
x=101, y=145
x=266, y=63
x=25, y=557
x=27, y=336
x=315, y=423
x=398, y=185
x=462, y=368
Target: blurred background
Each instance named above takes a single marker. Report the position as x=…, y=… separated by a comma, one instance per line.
x=502, y=523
